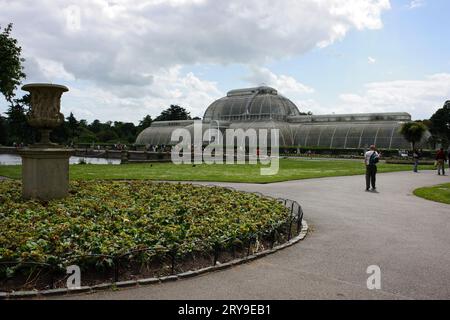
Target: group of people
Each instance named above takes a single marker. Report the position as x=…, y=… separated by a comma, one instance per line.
x=441, y=159
x=372, y=157
x=158, y=148
x=18, y=145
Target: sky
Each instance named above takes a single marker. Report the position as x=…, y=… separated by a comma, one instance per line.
x=124, y=59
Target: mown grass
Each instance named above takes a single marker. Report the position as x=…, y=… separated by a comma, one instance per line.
x=439, y=193
x=290, y=169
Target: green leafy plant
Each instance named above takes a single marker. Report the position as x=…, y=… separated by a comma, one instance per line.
x=115, y=217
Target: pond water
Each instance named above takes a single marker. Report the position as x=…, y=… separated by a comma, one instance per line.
x=13, y=159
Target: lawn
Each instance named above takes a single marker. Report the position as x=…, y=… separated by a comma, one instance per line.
x=290, y=169
x=440, y=193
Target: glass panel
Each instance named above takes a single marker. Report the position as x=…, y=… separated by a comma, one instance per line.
x=314, y=135
x=325, y=136
x=339, y=136
x=238, y=107
x=384, y=135
x=368, y=137
x=354, y=134
x=257, y=105
x=302, y=136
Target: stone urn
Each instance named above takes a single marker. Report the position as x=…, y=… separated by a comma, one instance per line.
x=44, y=114
x=45, y=165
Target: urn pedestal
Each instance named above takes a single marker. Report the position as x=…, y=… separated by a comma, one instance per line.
x=45, y=165
x=45, y=173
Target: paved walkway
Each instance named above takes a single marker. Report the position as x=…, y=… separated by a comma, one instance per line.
x=408, y=237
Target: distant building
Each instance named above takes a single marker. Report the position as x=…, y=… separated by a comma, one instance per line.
x=264, y=108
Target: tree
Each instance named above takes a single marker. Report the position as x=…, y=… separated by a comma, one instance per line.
x=11, y=69
x=145, y=123
x=86, y=135
x=72, y=125
x=3, y=131
x=17, y=124
x=125, y=131
x=440, y=123
x=413, y=132
x=83, y=124
x=174, y=112
x=107, y=136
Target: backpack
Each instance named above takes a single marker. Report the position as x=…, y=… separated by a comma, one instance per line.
x=373, y=159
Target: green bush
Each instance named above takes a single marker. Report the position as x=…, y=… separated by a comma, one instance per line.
x=114, y=217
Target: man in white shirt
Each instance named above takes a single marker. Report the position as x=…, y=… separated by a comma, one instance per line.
x=371, y=159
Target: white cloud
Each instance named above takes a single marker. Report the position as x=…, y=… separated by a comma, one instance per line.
x=371, y=60
x=124, y=47
x=53, y=70
x=289, y=85
x=416, y=4
x=421, y=98
x=169, y=87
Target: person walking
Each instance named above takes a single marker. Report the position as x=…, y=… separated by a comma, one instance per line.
x=416, y=157
x=371, y=158
x=441, y=159
x=448, y=157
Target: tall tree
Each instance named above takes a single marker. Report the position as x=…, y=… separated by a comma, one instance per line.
x=95, y=126
x=72, y=125
x=413, y=132
x=3, y=131
x=145, y=123
x=440, y=123
x=18, y=128
x=174, y=112
x=11, y=69
x=125, y=131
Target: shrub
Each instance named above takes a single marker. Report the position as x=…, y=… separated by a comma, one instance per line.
x=109, y=218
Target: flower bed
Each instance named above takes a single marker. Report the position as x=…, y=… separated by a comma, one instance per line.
x=139, y=221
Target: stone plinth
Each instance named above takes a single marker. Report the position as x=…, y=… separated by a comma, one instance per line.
x=45, y=173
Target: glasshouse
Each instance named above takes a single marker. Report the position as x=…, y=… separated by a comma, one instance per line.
x=264, y=108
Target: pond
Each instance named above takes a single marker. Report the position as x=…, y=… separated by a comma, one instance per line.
x=13, y=159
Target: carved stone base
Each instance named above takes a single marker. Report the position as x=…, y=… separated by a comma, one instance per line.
x=45, y=173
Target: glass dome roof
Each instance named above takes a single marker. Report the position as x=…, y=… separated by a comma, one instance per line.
x=263, y=108
x=261, y=103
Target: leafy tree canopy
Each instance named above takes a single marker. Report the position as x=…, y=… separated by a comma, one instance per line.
x=11, y=69
x=146, y=122
x=3, y=131
x=413, y=132
x=440, y=122
x=174, y=112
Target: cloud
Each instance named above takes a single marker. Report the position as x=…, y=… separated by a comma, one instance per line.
x=421, y=98
x=289, y=85
x=371, y=60
x=123, y=47
x=106, y=41
x=170, y=86
x=416, y=4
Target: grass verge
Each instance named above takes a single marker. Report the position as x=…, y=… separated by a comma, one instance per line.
x=290, y=169
x=439, y=193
